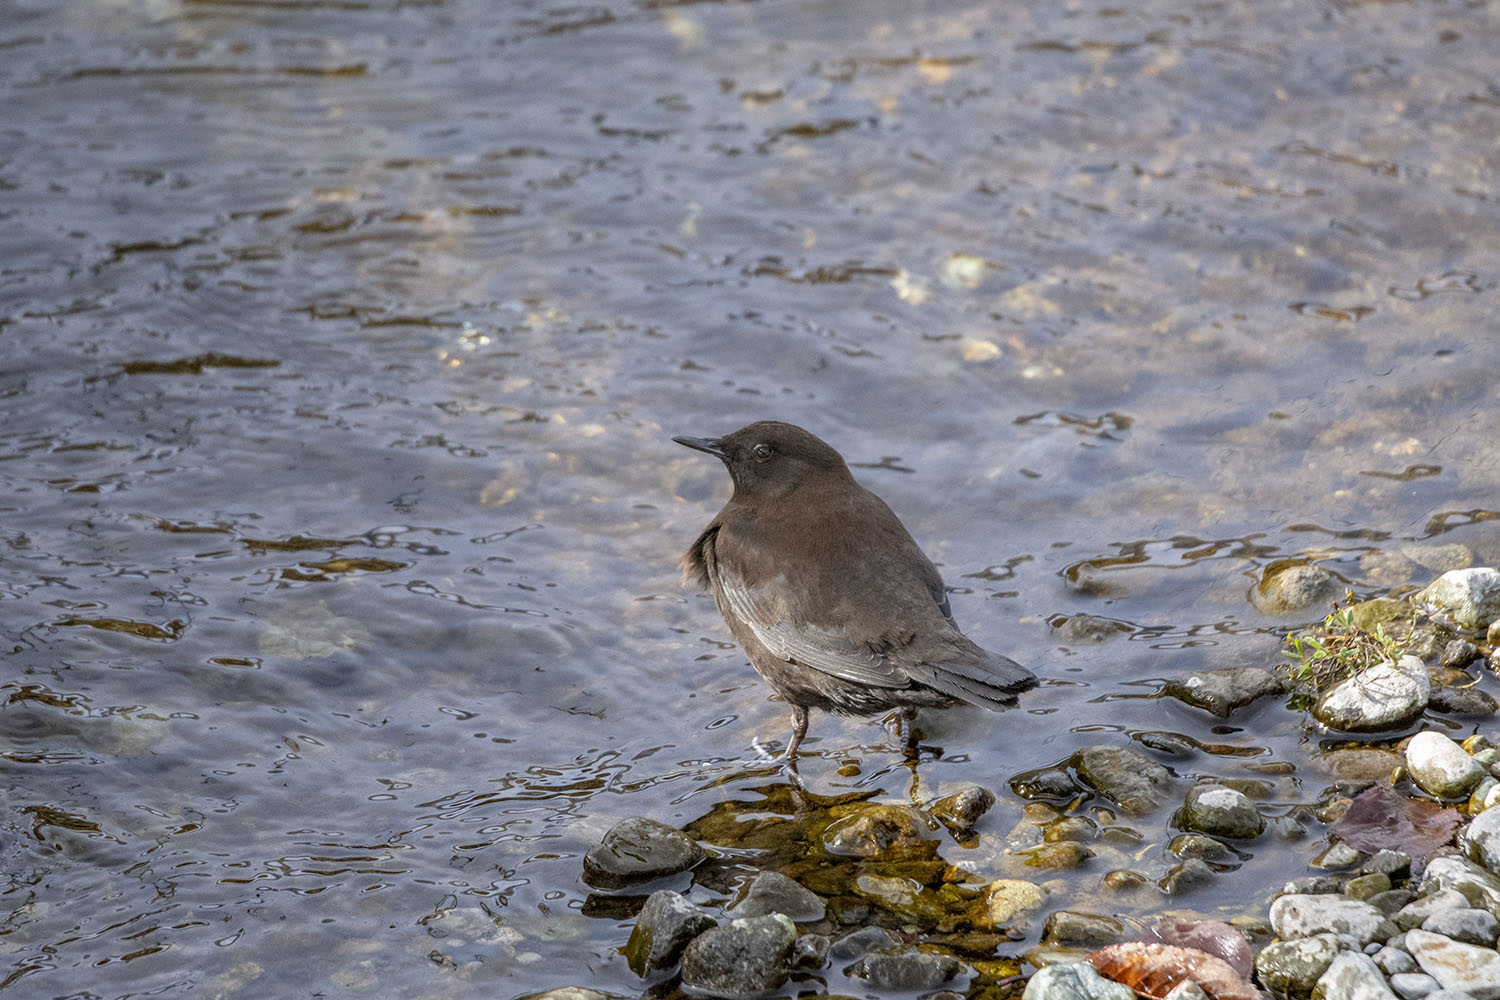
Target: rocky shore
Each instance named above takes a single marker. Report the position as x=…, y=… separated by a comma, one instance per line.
x=774, y=895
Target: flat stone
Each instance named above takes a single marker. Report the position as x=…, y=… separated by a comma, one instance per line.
x=1439, y=558
x=879, y=830
x=745, y=956
x=773, y=892
x=1222, y=691
x=1457, y=966
x=1440, y=767
x=1381, y=698
x=637, y=850
x=1352, y=976
x=1133, y=781
x=1299, y=916
x=1359, y=767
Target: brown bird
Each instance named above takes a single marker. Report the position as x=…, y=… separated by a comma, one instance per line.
x=826, y=592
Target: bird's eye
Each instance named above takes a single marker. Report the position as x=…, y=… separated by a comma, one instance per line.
x=761, y=452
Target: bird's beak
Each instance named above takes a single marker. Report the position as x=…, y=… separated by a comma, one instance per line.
x=710, y=445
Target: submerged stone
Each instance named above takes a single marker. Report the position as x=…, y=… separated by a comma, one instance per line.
x=1133, y=781
x=1008, y=900
x=773, y=892
x=1185, y=876
x=906, y=970
x=857, y=943
x=880, y=830
x=1222, y=691
x=1285, y=588
x=638, y=850
x=1069, y=928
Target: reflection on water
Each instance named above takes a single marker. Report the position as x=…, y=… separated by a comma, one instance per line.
x=343, y=348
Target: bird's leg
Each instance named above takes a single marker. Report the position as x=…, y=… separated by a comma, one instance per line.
x=799, y=730
x=908, y=721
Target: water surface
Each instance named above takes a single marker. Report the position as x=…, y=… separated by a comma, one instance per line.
x=343, y=344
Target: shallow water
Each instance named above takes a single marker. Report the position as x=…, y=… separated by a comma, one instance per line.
x=343, y=344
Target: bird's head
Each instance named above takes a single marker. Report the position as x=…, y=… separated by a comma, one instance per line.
x=770, y=459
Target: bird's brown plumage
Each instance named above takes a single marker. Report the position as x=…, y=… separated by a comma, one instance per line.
x=832, y=601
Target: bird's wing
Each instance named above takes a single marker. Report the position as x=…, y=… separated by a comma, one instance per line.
x=821, y=647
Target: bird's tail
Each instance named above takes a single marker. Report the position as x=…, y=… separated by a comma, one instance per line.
x=980, y=677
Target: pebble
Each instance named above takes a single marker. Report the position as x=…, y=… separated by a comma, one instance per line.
x=1074, y=981
x=749, y=955
x=960, y=810
x=1081, y=930
x=1471, y=597
x=1413, y=985
x=1457, y=966
x=1480, y=841
x=773, y=892
x=639, y=849
x=1294, y=967
x=1221, y=812
x=1384, y=697
x=1298, y=916
x=1352, y=976
x=906, y=970
x=1464, y=924
x=1416, y=913
x=666, y=924
x=1440, y=767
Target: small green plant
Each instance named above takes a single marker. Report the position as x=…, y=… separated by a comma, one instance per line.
x=1337, y=649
